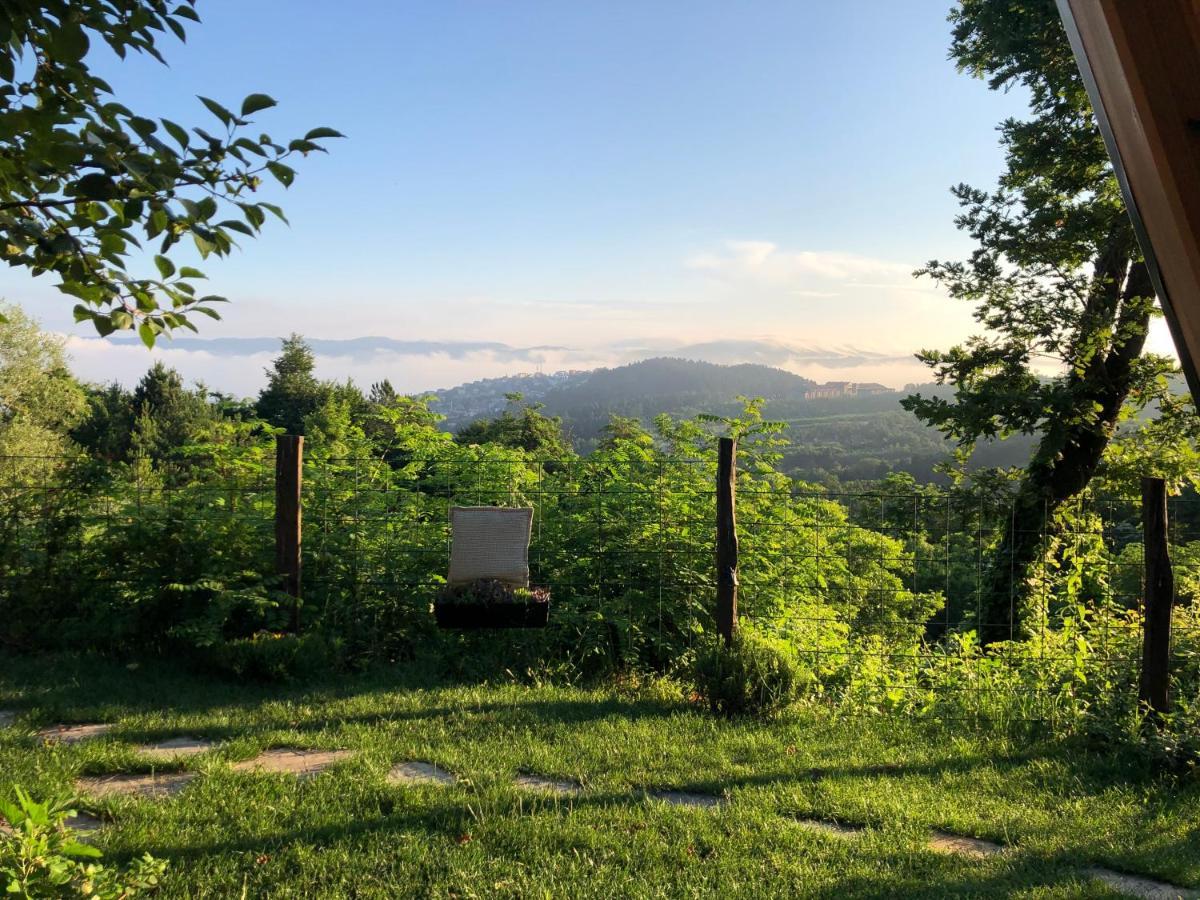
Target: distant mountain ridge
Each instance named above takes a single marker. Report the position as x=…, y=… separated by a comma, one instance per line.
x=587, y=399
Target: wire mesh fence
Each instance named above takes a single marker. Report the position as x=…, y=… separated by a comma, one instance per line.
x=877, y=590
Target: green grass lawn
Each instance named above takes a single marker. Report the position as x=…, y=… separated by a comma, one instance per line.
x=348, y=833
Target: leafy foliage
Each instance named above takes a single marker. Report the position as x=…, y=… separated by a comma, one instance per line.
x=87, y=185
x=757, y=675
x=1057, y=282
x=42, y=857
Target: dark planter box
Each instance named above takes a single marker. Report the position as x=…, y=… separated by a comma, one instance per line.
x=492, y=615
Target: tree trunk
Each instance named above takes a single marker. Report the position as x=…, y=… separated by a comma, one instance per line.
x=1068, y=454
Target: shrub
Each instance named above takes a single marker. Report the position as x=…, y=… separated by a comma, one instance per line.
x=758, y=675
x=273, y=656
x=42, y=857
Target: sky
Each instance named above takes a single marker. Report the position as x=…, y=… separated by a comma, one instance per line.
x=605, y=179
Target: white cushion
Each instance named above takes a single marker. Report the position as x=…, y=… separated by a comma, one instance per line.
x=490, y=542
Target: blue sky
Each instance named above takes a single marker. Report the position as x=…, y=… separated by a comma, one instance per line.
x=598, y=175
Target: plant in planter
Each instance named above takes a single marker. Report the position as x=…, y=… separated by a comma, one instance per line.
x=488, y=584
x=489, y=603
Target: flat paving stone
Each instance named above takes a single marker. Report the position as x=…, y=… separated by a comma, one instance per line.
x=827, y=826
x=84, y=823
x=687, y=798
x=73, y=734
x=174, y=748
x=944, y=842
x=1137, y=886
x=419, y=773
x=301, y=763
x=7, y=717
x=544, y=785
x=155, y=785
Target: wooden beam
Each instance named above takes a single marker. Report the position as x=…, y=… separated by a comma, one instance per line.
x=1157, y=600
x=727, y=542
x=289, y=469
x=1140, y=60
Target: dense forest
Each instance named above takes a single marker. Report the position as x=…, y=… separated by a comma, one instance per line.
x=832, y=439
x=140, y=521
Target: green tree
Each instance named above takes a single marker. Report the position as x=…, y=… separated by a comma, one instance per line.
x=521, y=426
x=84, y=180
x=39, y=399
x=168, y=415
x=104, y=430
x=1056, y=280
x=293, y=392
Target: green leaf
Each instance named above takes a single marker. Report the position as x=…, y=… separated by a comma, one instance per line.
x=190, y=272
x=255, y=103
x=95, y=186
x=323, y=132
x=69, y=44
x=203, y=244
x=166, y=268
x=146, y=333
x=285, y=175
x=176, y=131
x=218, y=110
x=275, y=211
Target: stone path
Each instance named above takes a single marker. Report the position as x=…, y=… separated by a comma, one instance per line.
x=84, y=823
x=543, y=785
x=73, y=734
x=828, y=826
x=155, y=785
x=419, y=773
x=175, y=748
x=687, y=798
x=287, y=761
x=305, y=763
x=7, y=716
x=944, y=842
x=1136, y=886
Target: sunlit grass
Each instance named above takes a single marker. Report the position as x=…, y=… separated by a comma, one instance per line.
x=347, y=832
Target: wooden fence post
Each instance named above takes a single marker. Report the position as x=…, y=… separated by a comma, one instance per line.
x=1159, y=597
x=289, y=468
x=727, y=542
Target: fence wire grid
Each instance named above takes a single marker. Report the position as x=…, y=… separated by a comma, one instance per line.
x=871, y=587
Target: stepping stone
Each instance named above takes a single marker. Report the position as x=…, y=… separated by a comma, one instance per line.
x=1136, y=886
x=6, y=717
x=545, y=785
x=944, y=842
x=419, y=773
x=84, y=823
x=155, y=786
x=175, y=748
x=73, y=734
x=828, y=827
x=687, y=798
x=301, y=763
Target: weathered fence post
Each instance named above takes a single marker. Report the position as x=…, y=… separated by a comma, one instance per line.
x=1159, y=597
x=289, y=467
x=727, y=542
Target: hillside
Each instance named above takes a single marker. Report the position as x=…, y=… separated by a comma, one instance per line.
x=642, y=389
x=840, y=437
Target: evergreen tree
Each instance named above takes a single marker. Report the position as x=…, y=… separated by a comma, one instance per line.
x=167, y=415
x=293, y=391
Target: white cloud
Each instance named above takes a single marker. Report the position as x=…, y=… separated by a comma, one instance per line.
x=766, y=263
